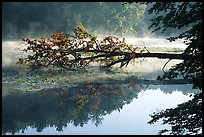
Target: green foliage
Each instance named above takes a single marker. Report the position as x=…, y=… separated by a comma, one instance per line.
x=81, y=32
x=126, y=19
x=179, y=15
x=48, y=17
x=185, y=119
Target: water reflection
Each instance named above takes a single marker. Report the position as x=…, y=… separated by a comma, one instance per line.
x=52, y=102
x=59, y=107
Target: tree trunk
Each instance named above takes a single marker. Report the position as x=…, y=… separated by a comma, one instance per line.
x=161, y=55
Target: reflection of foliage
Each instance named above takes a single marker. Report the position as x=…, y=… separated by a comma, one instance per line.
x=186, y=119
x=59, y=107
x=66, y=51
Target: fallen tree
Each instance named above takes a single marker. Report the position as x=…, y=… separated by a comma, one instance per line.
x=78, y=51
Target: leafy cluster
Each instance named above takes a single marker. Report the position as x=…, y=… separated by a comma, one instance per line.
x=179, y=15
x=185, y=119
x=126, y=20
x=66, y=51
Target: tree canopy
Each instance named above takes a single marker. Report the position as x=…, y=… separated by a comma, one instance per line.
x=38, y=19
x=178, y=15
x=186, y=118
x=126, y=21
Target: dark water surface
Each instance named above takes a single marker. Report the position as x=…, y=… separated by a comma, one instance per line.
x=84, y=102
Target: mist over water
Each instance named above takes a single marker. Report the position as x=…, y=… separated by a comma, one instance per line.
x=155, y=42
x=10, y=52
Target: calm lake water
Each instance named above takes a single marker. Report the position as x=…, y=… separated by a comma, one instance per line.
x=91, y=101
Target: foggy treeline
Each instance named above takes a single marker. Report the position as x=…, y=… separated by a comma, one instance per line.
x=41, y=19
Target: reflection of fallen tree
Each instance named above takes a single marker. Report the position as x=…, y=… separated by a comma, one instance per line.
x=140, y=81
x=168, y=86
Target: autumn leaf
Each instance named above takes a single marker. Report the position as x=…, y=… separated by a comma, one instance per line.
x=142, y=50
x=134, y=49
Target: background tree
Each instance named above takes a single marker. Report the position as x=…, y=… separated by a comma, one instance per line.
x=126, y=19
x=38, y=19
